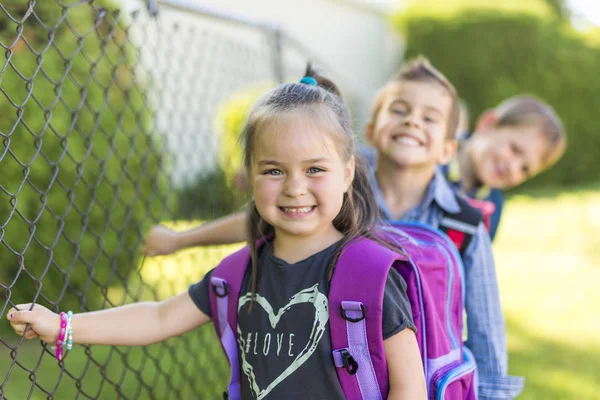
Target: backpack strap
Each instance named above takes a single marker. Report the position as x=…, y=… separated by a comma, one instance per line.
x=461, y=226
x=487, y=209
x=355, y=318
x=226, y=283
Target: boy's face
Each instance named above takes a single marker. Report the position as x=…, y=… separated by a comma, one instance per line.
x=412, y=125
x=504, y=157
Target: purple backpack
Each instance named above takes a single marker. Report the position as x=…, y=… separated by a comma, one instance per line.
x=433, y=273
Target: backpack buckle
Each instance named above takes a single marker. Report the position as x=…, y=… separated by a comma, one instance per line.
x=347, y=361
x=219, y=284
x=351, y=306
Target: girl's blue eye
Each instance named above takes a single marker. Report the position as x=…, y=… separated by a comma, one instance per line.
x=398, y=111
x=274, y=172
x=314, y=170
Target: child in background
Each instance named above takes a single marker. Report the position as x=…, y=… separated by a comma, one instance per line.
x=310, y=200
x=513, y=142
x=413, y=128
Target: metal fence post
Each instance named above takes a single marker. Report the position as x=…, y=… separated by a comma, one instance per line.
x=277, y=54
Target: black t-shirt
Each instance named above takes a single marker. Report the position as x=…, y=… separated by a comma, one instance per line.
x=284, y=341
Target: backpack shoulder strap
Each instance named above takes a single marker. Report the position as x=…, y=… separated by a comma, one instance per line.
x=225, y=287
x=462, y=226
x=226, y=283
x=355, y=315
x=487, y=209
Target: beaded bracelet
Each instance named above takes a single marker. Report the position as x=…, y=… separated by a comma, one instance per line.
x=65, y=337
x=69, y=331
x=61, y=336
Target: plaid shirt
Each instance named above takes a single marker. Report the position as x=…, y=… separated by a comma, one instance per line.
x=485, y=321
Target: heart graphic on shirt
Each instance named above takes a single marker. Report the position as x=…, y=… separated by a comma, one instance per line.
x=310, y=295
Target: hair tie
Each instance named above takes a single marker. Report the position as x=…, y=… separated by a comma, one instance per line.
x=309, y=80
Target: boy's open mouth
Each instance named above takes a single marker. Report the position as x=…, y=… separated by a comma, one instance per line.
x=407, y=140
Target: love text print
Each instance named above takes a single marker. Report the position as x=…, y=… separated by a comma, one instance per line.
x=282, y=344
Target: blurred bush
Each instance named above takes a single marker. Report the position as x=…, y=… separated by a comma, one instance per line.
x=209, y=196
x=224, y=190
x=494, y=50
x=230, y=119
x=79, y=159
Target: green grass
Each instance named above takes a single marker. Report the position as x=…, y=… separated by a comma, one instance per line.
x=179, y=368
x=548, y=261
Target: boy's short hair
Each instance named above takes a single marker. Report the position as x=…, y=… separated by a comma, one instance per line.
x=522, y=110
x=420, y=69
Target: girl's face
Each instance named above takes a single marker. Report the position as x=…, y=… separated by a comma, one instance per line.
x=298, y=176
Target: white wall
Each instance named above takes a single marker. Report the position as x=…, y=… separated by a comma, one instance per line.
x=351, y=37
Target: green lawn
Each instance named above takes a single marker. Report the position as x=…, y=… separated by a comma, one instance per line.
x=548, y=260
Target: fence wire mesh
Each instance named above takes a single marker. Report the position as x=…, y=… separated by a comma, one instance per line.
x=112, y=120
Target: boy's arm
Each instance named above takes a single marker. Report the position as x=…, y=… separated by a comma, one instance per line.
x=137, y=324
x=161, y=240
x=485, y=322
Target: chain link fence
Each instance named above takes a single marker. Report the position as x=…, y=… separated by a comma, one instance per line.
x=112, y=120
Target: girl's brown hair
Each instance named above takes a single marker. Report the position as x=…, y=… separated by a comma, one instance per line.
x=359, y=213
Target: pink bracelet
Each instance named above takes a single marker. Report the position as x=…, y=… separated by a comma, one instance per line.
x=61, y=336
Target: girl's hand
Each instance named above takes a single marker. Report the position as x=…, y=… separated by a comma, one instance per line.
x=160, y=241
x=42, y=322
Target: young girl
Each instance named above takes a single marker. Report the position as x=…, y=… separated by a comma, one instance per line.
x=310, y=199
